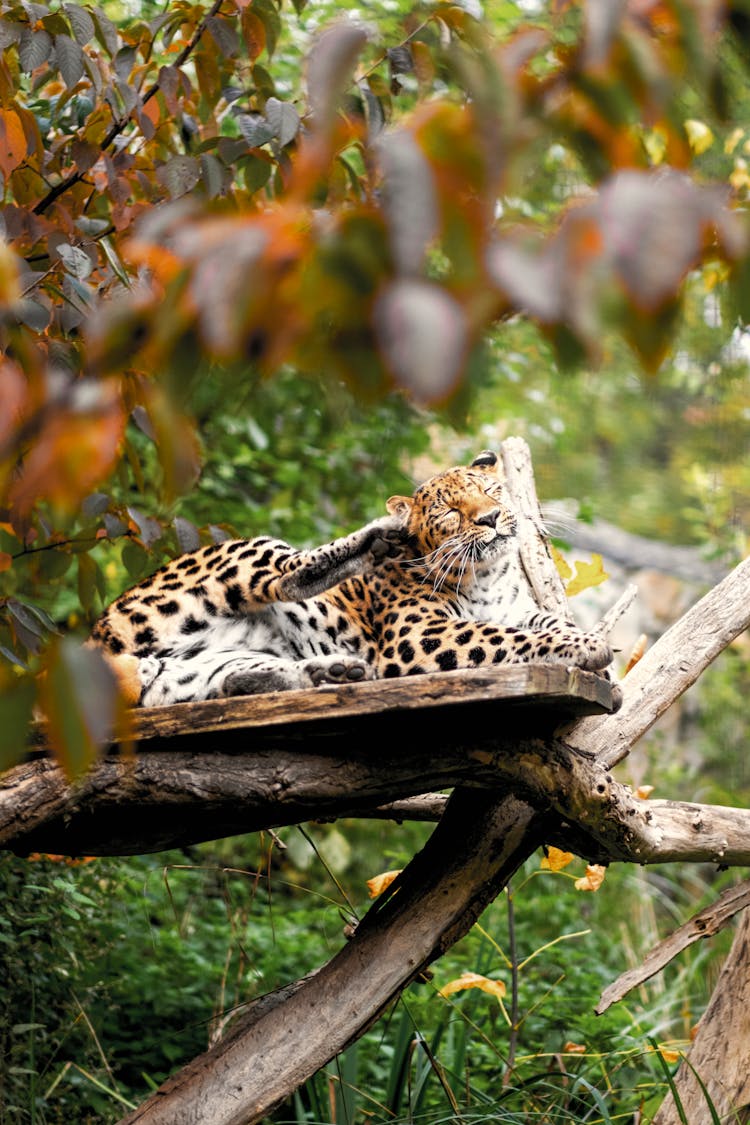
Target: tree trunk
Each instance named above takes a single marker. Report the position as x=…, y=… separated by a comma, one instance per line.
x=719, y=1059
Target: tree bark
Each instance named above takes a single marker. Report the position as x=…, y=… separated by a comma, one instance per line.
x=477, y=846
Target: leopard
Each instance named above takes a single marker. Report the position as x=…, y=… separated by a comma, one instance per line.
x=434, y=585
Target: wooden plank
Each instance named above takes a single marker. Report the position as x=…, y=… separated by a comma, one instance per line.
x=558, y=691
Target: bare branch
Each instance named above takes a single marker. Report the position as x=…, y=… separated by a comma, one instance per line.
x=674, y=662
x=704, y=924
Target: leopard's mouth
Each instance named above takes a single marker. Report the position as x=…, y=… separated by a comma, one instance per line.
x=500, y=545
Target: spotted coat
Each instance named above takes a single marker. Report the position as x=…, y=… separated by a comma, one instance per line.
x=433, y=586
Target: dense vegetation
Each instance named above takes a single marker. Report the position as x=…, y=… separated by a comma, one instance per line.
x=117, y=971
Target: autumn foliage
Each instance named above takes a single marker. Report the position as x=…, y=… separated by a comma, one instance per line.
x=185, y=191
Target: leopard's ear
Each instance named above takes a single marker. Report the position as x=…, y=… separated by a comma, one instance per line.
x=400, y=506
x=485, y=460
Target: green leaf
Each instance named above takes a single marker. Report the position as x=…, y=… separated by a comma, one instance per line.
x=106, y=32
x=409, y=200
x=255, y=129
x=224, y=35
x=179, y=175
x=135, y=560
x=187, y=534
x=35, y=48
x=283, y=119
x=422, y=334
x=269, y=16
x=16, y=702
x=330, y=66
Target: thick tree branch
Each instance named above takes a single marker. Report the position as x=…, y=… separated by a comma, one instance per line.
x=720, y=1054
x=476, y=847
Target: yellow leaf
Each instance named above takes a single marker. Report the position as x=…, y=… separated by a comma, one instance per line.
x=13, y=144
x=593, y=878
x=655, y=143
x=495, y=988
x=669, y=1055
x=556, y=859
x=574, y=1048
x=587, y=575
x=644, y=792
x=379, y=883
x=561, y=563
x=734, y=138
x=700, y=137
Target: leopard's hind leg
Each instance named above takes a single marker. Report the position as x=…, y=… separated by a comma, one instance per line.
x=215, y=674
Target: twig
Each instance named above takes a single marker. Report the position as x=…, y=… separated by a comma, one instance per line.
x=514, y=1007
x=618, y=610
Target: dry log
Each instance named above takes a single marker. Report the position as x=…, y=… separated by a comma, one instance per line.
x=207, y=770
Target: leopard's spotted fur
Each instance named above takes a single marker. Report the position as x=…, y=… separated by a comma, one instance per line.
x=433, y=586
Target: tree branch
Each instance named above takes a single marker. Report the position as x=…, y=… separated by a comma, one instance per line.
x=477, y=846
x=669, y=668
x=704, y=924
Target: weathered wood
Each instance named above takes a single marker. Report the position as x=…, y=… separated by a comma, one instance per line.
x=669, y=668
x=479, y=698
x=207, y=770
x=474, y=850
x=706, y=923
x=720, y=1054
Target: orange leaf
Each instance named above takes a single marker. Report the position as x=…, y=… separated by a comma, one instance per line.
x=495, y=988
x=379, y=883
x=638, y=650
x=73, y=452
x=644, y=792
x=593, y=878
x=13, y=145
x=81, y=704
x=6, y=561
x=556, y=859
x=574, y=1048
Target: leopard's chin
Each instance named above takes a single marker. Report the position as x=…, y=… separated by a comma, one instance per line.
x=500, y=545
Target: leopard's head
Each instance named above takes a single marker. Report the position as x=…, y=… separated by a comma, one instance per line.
x=459, y=521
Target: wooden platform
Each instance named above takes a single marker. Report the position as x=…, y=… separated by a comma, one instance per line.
x=443, y=706
x=200, y=771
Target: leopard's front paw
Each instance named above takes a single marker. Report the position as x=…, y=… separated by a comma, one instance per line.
x=597, y=653
x=388, y=539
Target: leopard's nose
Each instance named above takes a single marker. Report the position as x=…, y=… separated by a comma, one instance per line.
x=488, y=519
